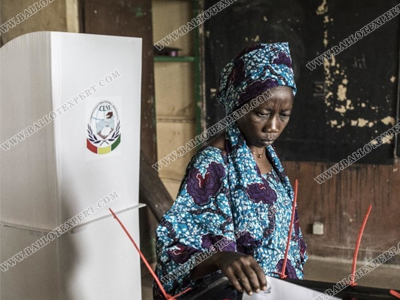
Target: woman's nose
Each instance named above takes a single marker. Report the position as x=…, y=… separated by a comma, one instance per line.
x=272, y=125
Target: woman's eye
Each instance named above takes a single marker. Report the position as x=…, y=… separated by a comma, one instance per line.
x=263, y=115
x=284, y=116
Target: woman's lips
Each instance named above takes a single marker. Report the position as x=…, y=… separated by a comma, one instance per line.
x=268, y=141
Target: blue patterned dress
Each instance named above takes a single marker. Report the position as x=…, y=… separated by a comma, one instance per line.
x=225, y=204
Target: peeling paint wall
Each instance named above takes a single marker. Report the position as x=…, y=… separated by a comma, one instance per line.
x=337, y=82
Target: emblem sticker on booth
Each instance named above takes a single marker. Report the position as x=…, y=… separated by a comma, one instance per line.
x=103, y=128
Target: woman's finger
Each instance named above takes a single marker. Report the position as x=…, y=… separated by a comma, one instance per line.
x=260, y=274
x=233, y=279
x=244, y=281
x=253, y=278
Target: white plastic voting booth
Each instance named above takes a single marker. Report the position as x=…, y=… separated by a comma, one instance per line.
x=88, y=150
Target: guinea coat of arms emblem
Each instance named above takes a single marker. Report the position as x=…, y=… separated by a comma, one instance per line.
x=103, y=129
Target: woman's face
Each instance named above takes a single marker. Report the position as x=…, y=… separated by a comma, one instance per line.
x=264, y=124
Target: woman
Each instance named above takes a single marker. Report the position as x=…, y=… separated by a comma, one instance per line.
x=233, y=209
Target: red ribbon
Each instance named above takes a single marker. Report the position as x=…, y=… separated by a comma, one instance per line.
x=353, y=270
x=394, y=293
x=282, y=274
x=166, y=295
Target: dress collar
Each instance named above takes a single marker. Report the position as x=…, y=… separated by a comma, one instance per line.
x=240, y=153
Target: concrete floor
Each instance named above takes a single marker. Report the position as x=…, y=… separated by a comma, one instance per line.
x=325, y=269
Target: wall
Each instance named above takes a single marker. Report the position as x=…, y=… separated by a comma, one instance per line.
x=341, y=203
x=60, y=15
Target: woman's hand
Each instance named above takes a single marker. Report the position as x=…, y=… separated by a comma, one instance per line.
x=242, y=270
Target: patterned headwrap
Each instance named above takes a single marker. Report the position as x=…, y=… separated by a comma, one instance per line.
x=255, y=70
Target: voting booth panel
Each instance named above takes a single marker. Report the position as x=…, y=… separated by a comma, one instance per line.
x=105, y=264
x=28, y=170
x=33, y=278
x=80, y=95
x=91, y=176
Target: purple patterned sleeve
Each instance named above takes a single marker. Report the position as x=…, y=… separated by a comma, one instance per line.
x=298, y=237
x=198, y=224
